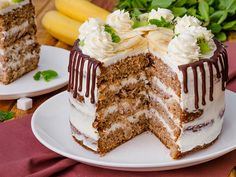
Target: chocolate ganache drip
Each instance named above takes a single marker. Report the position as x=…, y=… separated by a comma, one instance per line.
x=76, y=73
x=218, y=60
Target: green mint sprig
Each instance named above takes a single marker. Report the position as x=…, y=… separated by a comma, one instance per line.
x=161, y=23
x=115, y=38
x=47, y=75
x=81, y=43
x=217, y=15
x=204, y=46
x=17, y=1
x=6, y=115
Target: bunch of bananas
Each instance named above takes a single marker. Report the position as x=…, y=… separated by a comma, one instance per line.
x=64, y=22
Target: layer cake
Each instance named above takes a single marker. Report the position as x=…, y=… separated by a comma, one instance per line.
x=154, y=73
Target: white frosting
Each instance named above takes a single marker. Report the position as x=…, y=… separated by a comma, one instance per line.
x=120, y=21
x=99, y=45
x=83, y=121
x=11, y=6
x=90, y=26
x=185, y=22
x=184, y=49
x=160, y=12
x=189, y=139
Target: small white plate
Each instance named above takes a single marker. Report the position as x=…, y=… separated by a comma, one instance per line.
x=50, y=58
x=50, y=125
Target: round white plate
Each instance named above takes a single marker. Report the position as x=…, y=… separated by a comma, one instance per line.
x=145, y=152
x=50, y=58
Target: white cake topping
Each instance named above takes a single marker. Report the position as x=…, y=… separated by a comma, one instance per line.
x=98, y=44
x=185, y=22
x=90, y=26
x=160, y=12
x=120, y=21
x=183, y=49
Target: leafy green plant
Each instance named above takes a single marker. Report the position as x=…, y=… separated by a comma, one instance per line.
x=6, y=115
x=217, y=15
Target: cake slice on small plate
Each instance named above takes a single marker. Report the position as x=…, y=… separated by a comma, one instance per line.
x=166, y=76
x=19, y=49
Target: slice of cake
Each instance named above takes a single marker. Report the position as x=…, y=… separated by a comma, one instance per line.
x=153, y=73
x=19, y=49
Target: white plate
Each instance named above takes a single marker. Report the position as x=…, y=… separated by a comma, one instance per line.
x=50, y=58
x=144, y=153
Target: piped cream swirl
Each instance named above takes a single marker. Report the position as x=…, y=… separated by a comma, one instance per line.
x=185, y=22
x=120, y=21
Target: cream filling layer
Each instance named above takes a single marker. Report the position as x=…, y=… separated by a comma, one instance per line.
x=92, y=145
x=157, y=99
x=14, y=30
x=16, y=63
x=154, y=113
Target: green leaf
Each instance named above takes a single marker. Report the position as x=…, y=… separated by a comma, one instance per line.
x=179, y=3
x=221, y=36
x=161, y=3
x=179, y=11
x=37, y=76
x=112, y=32
x=135, y=13
x=229, y=25
x=192, y=11
x=81, y=43
x=211, y=10
x=17, y=1
x=210, y=2
x=161, y=23
x=216, y=15
x=49, y=75
x=215, y=28
x=204, y=46
x=138, y=24
x=203, y=8
x=6, y=115
x=223, y=17
x=191, y=2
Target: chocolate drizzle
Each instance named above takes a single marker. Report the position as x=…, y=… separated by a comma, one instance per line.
x=76, y=70
x=219, y=58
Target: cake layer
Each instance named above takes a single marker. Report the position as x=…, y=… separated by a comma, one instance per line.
x=7, y=38
x=28, y=64
x=123, y=69
x=20, y=11
x=9, y=56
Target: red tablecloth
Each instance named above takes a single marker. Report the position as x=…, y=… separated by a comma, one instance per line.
x=22, y=155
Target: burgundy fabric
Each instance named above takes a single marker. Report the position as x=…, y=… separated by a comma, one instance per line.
x=22, y=155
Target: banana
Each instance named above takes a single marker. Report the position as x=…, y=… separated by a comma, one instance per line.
x=80, y=10
x=61, y=27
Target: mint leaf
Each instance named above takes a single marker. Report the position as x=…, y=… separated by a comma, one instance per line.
x=49, y=75
x=37, y=76
x=138, y=23
x=204, y=46
x=161, y=23
x=112, y=32
x=215, y=28
x=161, y=3
x=6, y=115
x=203, y=8
x=221, y=36
x=81, y=43
x=17, y=1
x=179, y=11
